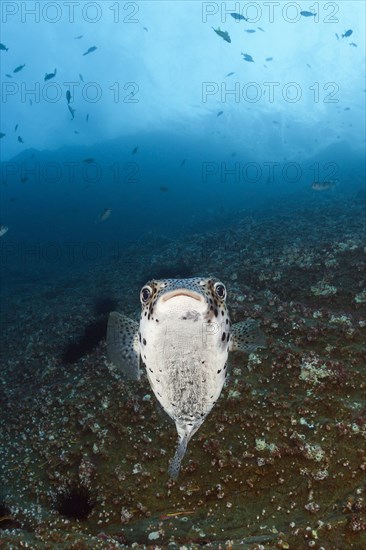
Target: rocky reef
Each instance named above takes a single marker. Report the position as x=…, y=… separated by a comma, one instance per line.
x=281, y=460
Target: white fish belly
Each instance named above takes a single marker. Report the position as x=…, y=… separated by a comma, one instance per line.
x=186, y=370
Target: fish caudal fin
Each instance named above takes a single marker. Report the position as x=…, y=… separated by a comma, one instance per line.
x=246, y=336
x=185, y=432
x=123, y=344
x=174, y=466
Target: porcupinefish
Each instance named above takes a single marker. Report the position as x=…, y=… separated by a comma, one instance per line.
x=183, y=340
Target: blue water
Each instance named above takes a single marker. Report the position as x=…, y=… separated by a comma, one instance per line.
x=201, y=173
x=148, y=193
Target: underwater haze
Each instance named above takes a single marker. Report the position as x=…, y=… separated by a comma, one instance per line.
x=173, y=139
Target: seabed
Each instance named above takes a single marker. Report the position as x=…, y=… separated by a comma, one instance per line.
x=281, y=460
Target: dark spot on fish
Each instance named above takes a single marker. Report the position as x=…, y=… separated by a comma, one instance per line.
x=144, y=341
x=216, y=313
x=223, y=336
x=149, y=368
x=228, y=337
x=218, y=372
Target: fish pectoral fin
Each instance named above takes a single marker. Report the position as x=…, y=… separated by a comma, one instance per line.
x=123, y=344
x=246, y=336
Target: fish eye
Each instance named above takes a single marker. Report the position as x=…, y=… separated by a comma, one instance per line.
x=220, y=291
x=145, y=294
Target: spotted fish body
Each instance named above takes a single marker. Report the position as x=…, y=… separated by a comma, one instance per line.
x=183, y=339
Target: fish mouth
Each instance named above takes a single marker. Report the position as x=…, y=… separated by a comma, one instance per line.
x=182, y=292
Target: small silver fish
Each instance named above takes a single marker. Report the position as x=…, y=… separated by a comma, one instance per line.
x=347, y=33
x=323, y=185
x=105, y=215
x=19, y=68
x=48, y=76
x=3, y=230
x=183, y=340
x=72, y=111
x=90, y=50
x=223, y=34
x=247, y=57
x=238, y=16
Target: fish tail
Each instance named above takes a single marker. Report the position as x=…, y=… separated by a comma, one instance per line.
x=174, y=466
